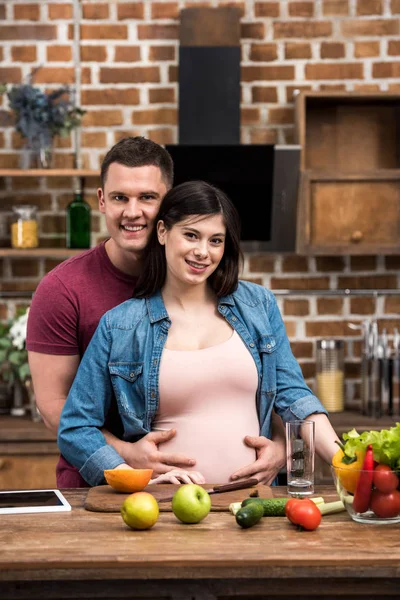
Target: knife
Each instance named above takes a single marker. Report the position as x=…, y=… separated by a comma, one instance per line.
x=226, y=487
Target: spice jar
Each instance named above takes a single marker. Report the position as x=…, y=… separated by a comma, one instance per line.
x=24, y=227
x=330, y=374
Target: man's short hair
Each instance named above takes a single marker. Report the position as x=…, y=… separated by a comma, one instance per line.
x=139, y=152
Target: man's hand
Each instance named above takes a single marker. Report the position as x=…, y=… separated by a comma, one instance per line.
x=145, y=454
x=271, y=457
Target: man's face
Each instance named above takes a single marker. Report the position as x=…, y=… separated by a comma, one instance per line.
x=130, y=201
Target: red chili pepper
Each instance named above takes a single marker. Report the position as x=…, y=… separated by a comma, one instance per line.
x=363, y=491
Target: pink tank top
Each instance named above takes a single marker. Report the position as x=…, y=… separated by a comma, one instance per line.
x=209, y=397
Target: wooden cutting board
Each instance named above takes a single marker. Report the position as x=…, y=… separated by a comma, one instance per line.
x=104, y=498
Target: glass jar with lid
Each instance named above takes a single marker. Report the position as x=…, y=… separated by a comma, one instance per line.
x=330, y=374
x=24, y=226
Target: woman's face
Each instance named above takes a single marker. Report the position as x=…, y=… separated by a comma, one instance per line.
x=194, y=247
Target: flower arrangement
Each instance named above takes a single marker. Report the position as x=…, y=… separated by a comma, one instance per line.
x=39, y=116
x=13, y=354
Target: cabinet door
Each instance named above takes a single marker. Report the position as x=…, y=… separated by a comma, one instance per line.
x=28, y=471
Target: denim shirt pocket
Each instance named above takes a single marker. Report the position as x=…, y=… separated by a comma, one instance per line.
x=127, y=382
x=267, y=348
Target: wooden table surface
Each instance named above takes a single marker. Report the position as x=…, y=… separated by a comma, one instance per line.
x=90, y=555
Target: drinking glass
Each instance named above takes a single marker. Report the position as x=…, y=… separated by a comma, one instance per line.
x=300, y=436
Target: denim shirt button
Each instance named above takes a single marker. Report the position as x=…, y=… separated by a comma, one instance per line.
x=251, y=345
x=132, y=375
x=234, y=319
x=269, y=346
x=153, y=394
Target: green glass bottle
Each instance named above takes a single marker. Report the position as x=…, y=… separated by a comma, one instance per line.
x=78, y=222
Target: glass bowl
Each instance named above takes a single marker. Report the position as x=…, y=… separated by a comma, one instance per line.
x=388, y=508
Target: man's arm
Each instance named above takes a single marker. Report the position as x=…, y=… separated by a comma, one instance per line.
x=52, y=377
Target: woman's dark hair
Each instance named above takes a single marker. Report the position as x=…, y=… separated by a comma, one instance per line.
x=182, y=201
x=139, y=152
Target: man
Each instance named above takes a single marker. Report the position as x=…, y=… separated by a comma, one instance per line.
x=70, y=300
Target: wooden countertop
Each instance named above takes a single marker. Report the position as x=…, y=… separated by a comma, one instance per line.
x=96, y=553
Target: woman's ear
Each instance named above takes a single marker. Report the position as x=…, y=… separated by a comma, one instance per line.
x=161, y=231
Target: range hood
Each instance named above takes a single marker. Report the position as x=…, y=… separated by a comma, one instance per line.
x=260, y=179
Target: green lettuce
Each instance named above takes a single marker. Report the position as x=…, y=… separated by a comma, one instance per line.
x=385, y=444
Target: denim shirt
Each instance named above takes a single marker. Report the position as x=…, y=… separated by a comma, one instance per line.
x=122, y=362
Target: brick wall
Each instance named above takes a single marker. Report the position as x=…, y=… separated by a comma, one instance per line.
x=129, y=86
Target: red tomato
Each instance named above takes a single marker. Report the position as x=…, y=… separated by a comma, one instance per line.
x=385, y=505
x=385, y=480
x=304, y=513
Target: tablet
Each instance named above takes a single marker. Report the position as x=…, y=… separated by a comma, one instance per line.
x=32, y=501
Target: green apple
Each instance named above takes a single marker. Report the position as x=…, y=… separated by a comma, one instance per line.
x=191, y=503
x=140, y=510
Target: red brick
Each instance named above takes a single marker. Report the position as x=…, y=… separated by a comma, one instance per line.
x=330, y=263
x=389, y=324
x=254, y=31
x=294, y=264
x=173, y=74
x=165, y=10
x=392, y=262
x=335, y=7
x=332, y=50
x=64, y=75
x=264, y=94
x=92, y=139
x=23, y=53
x=60, y=11
x=362, y=306
x=261, y=263
x=368, y=282
x=249, y=116
x=162, y=53
x=332, y=87
x=363, y=263
x=302, y=29
x=395, y=7
x=127, y=53
x=308, y=369
x=130, y=75
x=293, y=90
x=267, y=73
x=263, y=52
x=300, y=283
x=132, y=10
x=393, y=48
x=24, y=267
x=291, y=328
x=301, y=9
x=157, y=116
x=102, y=118
x=328, y=329
x=2, y=11
x=10, y=74
x=26, y=12
x=281, y=116
x=297, y=308
x=335, y=71
x=330, y=306
x=59, y=53
x=366, y=49
x=102, y=32
x=51, y=263
x=302, y=349
x=162, y=95
x=369, y=7
x=93, y=53
x=267, y=9
x=95, y=11
x=385, y=70
x=110, y=96
x=263, y=135
x=157, y=32
x=162, y=135
x=28, y=32
x=53, y=224
x=366, y=87
x=295, y=50
x=377, y=27
x=392, y=304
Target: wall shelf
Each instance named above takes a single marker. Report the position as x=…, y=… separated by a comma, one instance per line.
x=39, y=252
x=49, y=173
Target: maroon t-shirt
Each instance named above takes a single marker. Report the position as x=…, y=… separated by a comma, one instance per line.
x=65, y=311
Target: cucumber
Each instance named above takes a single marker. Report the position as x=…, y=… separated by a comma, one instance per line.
x=272, y=507
x=249, y=515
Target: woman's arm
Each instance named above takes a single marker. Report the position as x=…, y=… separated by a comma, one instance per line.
x=325, y=437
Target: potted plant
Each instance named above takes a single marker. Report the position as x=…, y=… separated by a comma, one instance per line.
x=40, y=116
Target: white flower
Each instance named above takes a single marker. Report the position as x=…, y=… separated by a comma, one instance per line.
x=18, y=331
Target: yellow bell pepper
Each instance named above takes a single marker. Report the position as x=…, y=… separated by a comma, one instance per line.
x=348, y=474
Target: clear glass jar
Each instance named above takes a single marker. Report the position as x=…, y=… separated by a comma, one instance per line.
x=330, y=374
x=24, y=227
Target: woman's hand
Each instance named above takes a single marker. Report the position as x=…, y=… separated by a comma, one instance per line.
x=179, y=476
x=271, y=457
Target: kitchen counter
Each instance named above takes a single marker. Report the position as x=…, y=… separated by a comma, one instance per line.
x=85, y=554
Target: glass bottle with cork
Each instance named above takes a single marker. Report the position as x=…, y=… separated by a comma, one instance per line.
x=78, y=222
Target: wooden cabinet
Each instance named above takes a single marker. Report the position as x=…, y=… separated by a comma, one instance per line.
x=342, y=423
x=28, y=455
x=349, y=196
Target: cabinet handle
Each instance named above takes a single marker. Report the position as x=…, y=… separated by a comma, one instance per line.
x=356, y=236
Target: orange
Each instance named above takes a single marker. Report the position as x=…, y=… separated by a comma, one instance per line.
x=128, y=480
